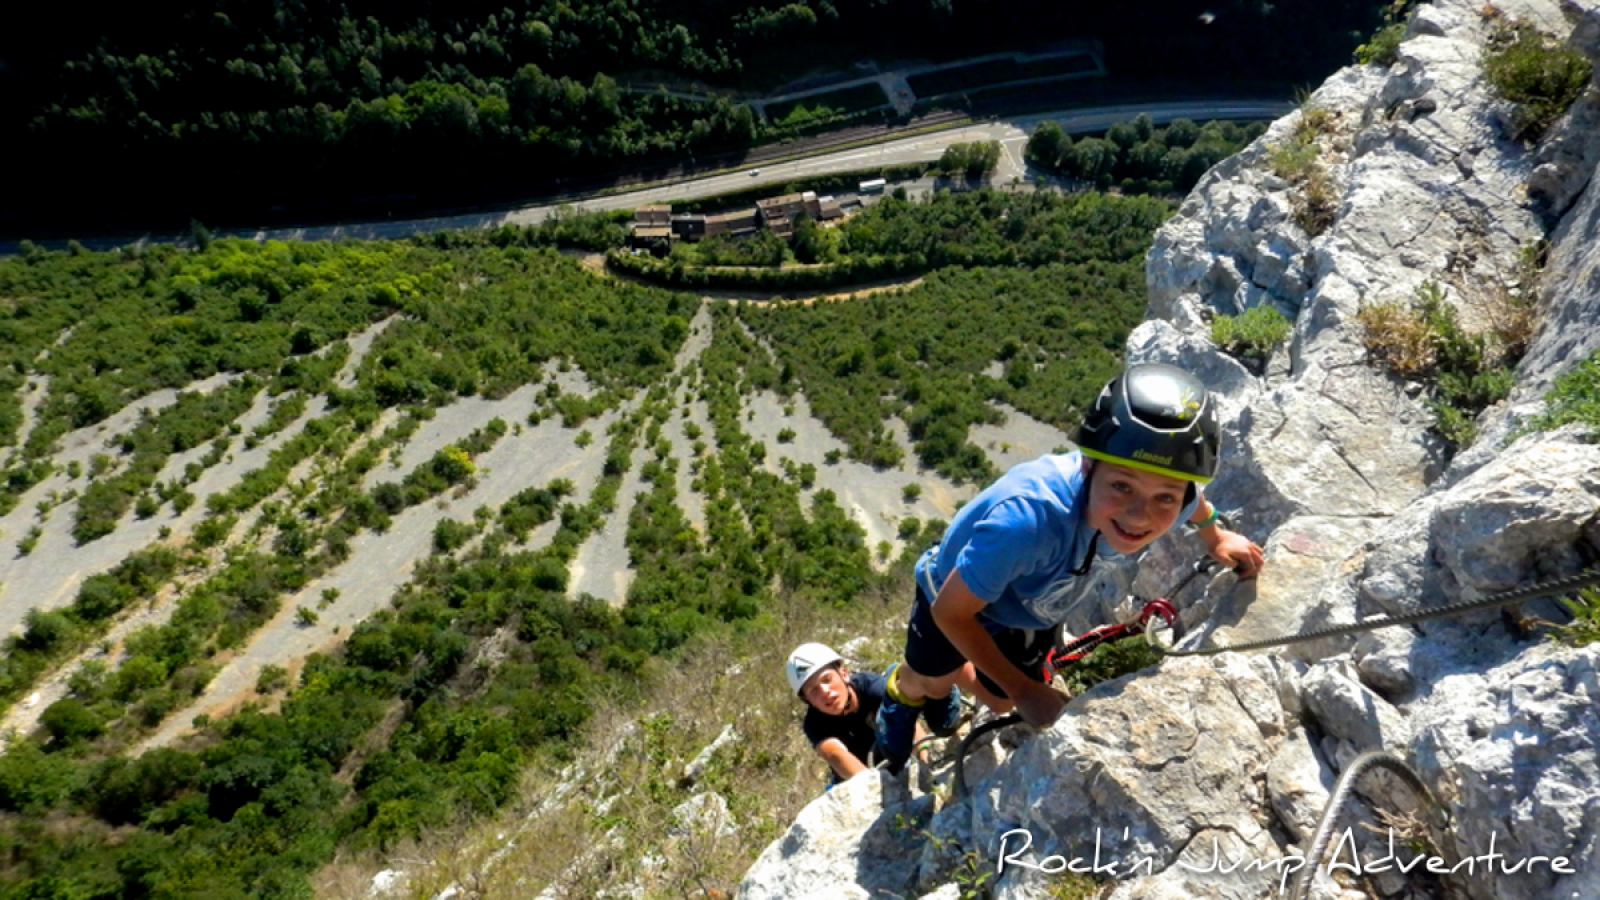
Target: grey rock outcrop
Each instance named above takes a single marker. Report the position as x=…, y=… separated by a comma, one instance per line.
x=1518, y=750
x=1333, y=465
x=858, y=841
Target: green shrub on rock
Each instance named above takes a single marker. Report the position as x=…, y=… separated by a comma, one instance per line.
x=1537, y=73
x=1252, y=334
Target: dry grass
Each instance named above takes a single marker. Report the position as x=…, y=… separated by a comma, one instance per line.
x=605, y=819
x=1299, y=161
x=1398, y=337
x=1404, y=335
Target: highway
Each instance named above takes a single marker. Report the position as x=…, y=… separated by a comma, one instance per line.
x=1012, y=133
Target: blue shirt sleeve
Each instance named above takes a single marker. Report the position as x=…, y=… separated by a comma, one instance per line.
x=1010, y=542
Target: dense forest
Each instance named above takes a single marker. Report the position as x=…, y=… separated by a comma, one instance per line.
x=152, y=114
x=1138, y=157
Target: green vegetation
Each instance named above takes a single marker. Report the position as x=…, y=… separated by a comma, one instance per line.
x=825, y=108
x=51, y=637
x=971, y=161
x=1383, y=48
x=1139, y=157
x=1252, y=335
x=490, y=316
x=1299, y=161
x=189, y=422
x=1584, y=629
x=1108, y=662
x=1465, y=372
x=760, y=249
x=1575, y=397
x=898, y=237
x=264, y=800
x=132, y=322
x=1536, y=72
x=924, y=353
x=327, y=106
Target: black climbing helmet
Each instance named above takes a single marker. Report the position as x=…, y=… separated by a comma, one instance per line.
x=1157, y=418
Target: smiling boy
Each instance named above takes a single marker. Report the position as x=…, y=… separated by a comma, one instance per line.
x=1029, y=550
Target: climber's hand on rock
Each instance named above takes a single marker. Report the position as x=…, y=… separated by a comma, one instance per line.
x=1040, y=705
x=1238, y=553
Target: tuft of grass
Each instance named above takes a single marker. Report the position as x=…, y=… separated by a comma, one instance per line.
x=1584, y=629
x=1574, y=398
x=1109, y=661
x=1073, y=886
x=1398, y=337
x=1299, y=161
x=1537, y=73
x=1293, y=161
x=1250, y=335
x=1383, y=48
x=1465, y=372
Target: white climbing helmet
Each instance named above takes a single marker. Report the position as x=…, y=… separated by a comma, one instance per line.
x=807, y=660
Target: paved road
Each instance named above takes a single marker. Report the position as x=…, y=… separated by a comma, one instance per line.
x=1012, y=132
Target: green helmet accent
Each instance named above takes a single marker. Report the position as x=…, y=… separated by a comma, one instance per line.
x=1156, y=418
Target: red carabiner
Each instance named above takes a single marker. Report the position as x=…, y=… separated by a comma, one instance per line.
x=1160, y=606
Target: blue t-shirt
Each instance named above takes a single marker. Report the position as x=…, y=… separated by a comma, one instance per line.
x=1018, y=542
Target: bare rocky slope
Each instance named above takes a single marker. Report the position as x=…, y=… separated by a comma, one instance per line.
x=1331, y=464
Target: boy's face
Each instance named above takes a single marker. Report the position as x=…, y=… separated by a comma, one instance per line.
x=829, y=691
x=1130, y=507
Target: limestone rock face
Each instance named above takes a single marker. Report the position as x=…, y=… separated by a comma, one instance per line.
x=1559, y=186
x=1332, y=464
x=1525, y=512
x=1518, y=748
x=1149, y=765
x=855, y=842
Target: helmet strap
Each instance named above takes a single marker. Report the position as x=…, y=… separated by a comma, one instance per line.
x=1088, y=559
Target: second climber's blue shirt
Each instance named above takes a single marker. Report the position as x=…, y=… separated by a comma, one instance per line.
x=1017, y=543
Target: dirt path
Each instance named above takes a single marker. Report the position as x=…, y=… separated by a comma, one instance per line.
x=1020, y=439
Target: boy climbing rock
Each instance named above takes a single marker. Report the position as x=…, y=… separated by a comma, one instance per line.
x=843, y=708
x=1024, y=555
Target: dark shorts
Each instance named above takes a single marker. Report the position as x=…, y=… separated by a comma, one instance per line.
x=929, y=652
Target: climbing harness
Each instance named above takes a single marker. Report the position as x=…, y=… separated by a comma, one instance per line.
x=1073, y=651
x=1439, y=818
x=1162, y=611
